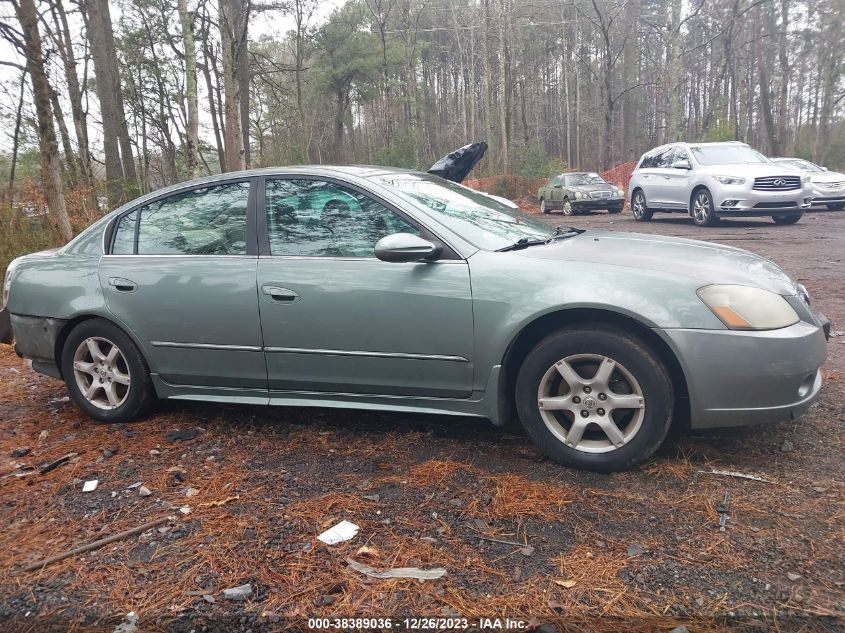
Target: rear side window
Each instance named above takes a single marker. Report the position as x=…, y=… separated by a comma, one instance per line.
x=124, y=235
x=207, y=221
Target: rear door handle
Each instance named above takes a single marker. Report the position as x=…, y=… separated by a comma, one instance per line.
x=280, y=295
x=123, y=285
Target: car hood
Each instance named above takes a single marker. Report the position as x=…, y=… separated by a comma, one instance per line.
x=827, y=176
x=599, y=186
x=750, y=171
x=705, y=262
x=456, y=165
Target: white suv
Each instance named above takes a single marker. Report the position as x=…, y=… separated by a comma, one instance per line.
x=716, y=180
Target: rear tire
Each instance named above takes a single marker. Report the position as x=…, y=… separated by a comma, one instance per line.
x=703, y=210
x=105, y=372
x=613, y=368
x=837, y=206
x=639, y=207
x=787, y=219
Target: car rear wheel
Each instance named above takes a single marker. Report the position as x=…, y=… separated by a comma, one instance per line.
x=703, y=212
x=567, y=207
x=595, y=397
x=105, y=373
x=543, y=207
x=837, y=206
x=639, y=207
x=787, y=219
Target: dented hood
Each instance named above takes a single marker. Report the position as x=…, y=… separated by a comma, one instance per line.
x=456, y=165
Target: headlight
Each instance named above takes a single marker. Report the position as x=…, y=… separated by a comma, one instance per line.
x=618, y=193
x=806, y=178
x=578, y=194
x=748, y=308
x=730, y=180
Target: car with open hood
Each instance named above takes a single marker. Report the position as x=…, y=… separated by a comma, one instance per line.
x=828, y=187
x=393, y=290
x=578, y=192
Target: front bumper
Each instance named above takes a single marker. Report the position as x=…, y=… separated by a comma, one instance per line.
x=588, y=204
x=737, y=378
x=732, y=201
x=6, y=335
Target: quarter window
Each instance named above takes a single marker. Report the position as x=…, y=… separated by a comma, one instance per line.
x=124, y=235
x=314, y=218
x=206, y=221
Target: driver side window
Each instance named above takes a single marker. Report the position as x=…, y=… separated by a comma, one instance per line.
x=315, y=218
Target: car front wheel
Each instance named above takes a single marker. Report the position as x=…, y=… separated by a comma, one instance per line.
x=105, y=373
x=836, y=206
x=639, y=207
x=567, y=207
x=703, y=212
x=595, y=397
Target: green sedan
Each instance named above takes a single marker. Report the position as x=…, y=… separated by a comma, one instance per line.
x=389, y=290
x=579, y=192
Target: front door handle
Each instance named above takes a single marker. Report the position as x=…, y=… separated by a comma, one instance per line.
x=280, y=295
x=123, y=285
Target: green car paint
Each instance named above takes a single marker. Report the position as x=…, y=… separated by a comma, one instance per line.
x=433, y=336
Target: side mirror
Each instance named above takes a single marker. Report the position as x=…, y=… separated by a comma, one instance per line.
x=681, y=164
x=404, y=247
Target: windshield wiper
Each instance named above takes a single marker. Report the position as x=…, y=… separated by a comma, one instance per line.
x=559, y=233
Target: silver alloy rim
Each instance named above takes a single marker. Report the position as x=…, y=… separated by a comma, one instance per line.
x=701, y=207
x=567, y=207
x=591, y=403
x=542, y=205
x=101, y=373
x=639, y=204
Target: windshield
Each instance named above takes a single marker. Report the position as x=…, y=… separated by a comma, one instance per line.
x=480, y=219
x=574, y=180
x=727, y=155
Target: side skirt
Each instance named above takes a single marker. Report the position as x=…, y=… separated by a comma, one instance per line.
x=478, y=405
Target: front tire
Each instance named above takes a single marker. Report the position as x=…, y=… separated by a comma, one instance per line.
x=787, y=219
x=567, y=207
x=543, y=207
x=595, y=398
x=639, y=207
x=105, y=373
x=703, y=210
x=836, y=206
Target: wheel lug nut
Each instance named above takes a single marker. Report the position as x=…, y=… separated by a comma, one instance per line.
x=602, y=396
x=585, y=413
x=600, y=411
x=576, y=400
x=587, y=390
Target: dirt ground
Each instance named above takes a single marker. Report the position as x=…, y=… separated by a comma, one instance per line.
x=517, y=535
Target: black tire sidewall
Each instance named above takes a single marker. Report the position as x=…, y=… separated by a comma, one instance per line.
x=647, y=213
x=625, y=349
x=711, y=218
x=787, y=219
x=141, y=392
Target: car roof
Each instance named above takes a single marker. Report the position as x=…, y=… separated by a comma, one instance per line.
x=689, y=145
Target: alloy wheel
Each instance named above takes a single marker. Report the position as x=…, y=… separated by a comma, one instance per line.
x=638, y=206
x=701, y=208
x=567, y=207
x=101, y=373
x=543, y=205
x=591, y=403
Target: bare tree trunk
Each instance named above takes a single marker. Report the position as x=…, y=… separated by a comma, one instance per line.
x=16, y=139
x=51, y=170
x=504, y=122
x=231, y=28
x=67, y=148
x=120, y=164
x=192, y=143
